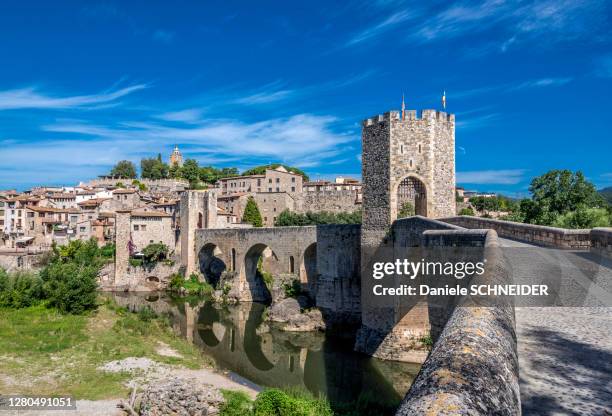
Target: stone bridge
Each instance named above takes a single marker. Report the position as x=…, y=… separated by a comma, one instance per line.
x=325, y=259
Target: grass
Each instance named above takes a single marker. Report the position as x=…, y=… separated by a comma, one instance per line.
x=44, y=352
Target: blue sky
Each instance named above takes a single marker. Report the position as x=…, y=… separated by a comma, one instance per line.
x=84, y=84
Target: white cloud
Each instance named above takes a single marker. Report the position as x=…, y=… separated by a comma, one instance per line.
x=265, y=97
x=189, y=115
x=390, y=22
x=499, y=177
x=30, y=98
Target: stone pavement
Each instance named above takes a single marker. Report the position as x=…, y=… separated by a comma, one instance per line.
x=565, y=353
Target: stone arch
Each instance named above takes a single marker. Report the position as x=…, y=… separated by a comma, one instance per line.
x=259, y=261
x=211, y=263
x=412, y=189
x=308, y=267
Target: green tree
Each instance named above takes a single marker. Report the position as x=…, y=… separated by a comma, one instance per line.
x=407, y=210
x=558, y=192
x=124, y=169
x=288, y=218
x=251, y=213
x=466, y=211
x=153, y=168
x=584, y=218
x=70, y=278
x=191, y=172
x=174, y=171
x=260, y=170
x=211, y=174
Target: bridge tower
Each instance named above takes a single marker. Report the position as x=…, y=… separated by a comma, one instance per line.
x=198, y=209
x=407, y=159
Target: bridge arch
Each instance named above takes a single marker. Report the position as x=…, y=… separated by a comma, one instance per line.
x=411, y=191
x=211, y=263
x=260, y=263
x=308, y=267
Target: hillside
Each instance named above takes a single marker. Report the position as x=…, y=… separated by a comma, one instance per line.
x=606, y=193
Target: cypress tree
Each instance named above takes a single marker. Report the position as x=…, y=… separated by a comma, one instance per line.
x=251, y=213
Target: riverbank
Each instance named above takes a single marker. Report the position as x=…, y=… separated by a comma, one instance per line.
x=97, y=357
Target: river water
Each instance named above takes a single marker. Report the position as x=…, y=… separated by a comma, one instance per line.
x=238, y=340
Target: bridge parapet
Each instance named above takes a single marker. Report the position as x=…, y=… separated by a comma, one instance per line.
x=473, y=367
x=601, y=241
x=536, y=234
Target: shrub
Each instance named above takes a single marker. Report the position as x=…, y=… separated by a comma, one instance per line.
x=288, y=218
x=135, y=262
x=108, y=251
x=466, y=211
x=584, y=218
x=291, y=403
x=176, y=282
x=155, y=252
x=20, y=290
x=237, y=403
x=407, y=210
x=70, y=279
x=293, y=289
x=146, y=314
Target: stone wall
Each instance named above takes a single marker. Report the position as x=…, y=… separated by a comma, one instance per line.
x=138, y=278
x=473, y=367
x=601, y=241
x=341, y=200
x=12, y=262
x=395, y=330
x=537, y=234
x=338, y=288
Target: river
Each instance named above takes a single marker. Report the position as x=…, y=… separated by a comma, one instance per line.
x=239, y=342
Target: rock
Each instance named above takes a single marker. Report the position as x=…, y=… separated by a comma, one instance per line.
x=180, y=397
x=288, y=312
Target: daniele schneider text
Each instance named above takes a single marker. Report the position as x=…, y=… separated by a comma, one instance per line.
x=459, y=270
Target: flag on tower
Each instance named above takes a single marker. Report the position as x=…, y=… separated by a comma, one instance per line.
x=444, y=100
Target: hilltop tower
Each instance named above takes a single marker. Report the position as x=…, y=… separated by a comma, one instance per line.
x=176, y=157
x=406, y=159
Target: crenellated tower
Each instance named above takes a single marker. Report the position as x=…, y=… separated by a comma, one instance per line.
x=407, y=159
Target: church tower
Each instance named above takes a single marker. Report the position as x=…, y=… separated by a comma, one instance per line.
x=176, y=157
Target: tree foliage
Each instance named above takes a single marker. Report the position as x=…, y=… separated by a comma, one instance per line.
x=153, y=168
x=70, y=279
x=209, y=174
x=260, y=170
x=288, y=218
x=251, y=213
x=124, y=169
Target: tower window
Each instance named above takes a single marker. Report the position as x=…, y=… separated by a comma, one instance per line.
x=410, y=162
x=419, y=148
x=402, y=149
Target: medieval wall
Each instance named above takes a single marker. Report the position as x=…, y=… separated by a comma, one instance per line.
x=336, y=201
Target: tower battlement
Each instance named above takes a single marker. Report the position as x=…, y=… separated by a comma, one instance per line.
x=427, y=114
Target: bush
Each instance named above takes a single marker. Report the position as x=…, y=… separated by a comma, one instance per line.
x=292, y=403
x=20, y=290
x=466, y=211
x=237, y=403
x=407, y=210
x=108, y=251
x=70, y=279
x=155, y=252
x=135, y=262
x=293, y=289
x=584, y=218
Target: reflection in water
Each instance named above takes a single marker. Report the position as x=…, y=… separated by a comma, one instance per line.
x=236, y=337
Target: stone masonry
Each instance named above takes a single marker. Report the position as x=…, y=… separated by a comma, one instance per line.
x=396, y=148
